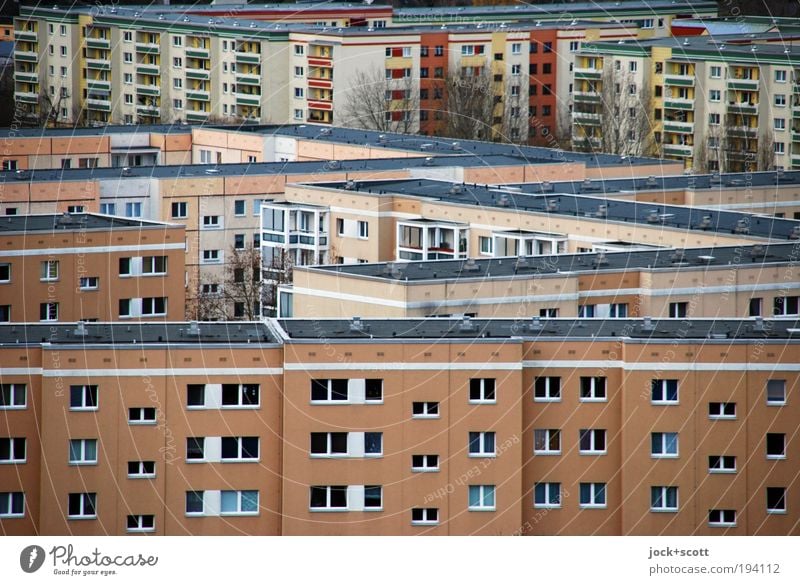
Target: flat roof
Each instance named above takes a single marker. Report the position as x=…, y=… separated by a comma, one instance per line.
x=138, y=333
x=68, y=222
x=265, y=168
x=578, y=206
x=535, y=266
x=732, y=47
x=665, y=183
x=329, y=330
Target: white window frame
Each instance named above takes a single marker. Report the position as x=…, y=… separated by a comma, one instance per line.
x=594, y=441
x=7, y=505
x=722, y=463
x=549, y=489
x=427, y=516
x=484, y=492
x=721, y=518
x=79, y=447
x=596, y=489
x=141, y=411
x=142, y=473
x=775, y=382
x=424, y=463
x=426, y=407
x=773, y=456
x=664, y=392
x=212, y=257
x=486, y=245
x=85, y=498
x=660, y=442
x=549, y=395
x=13, y=390
x=11, y=442
x=483, y=438
x=85, y=390
x=240, y=458
x=546, y=436
x=144, y=523
x=50, y=271
x=775, y=510
x=721, y=409
x=662, y=493
x=240, y=499
x=363, y=230
x=52, y=312
x=328, y=491
x=485, y=387
x=596, y=393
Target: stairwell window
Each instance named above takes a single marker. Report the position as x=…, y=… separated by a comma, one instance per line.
x=425, y=410
x=424, y=516
x=142, y=416
x=776, y=392
x=722, y=518
x=140, y=523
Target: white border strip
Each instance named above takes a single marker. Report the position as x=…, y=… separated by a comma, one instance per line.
x=150, y=372
x=400, y=366
x=94, y=249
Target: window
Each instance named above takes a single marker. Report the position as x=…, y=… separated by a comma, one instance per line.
x=211, y=221
x=481, y=444
x=363, y=230
x=239, y=502
x=548, y=313
x=721, y=464
x=592, y=495
x=13, y=396
x=780, y=75
x=299, y=72
x=779, y=148
x=154, y=306
x=194, y=503
x=547, y=47
x=714, y=119
x=481, y=498
x=618, y=310
x=592, y=441
x=133, y=209
x=780, y=100
x=776, y=500
x=424, y=463
x=716, y=72
x=5, y=272
x=241, y=395
x=776, y=446
x=154, y=265
x=177, y=63
x=482, y=390
x=240, y=207
x=82, y=505
x=238, y=241
x=141, y=523
x=779, y=124
x=632, y=66
x=328, y=497
x=663, y=499
x=127, y=36
x=593, y=389
x=486, y=245
x=776, y=392
x=13, y=450
x=516, y=70
x=141, y=469
x=425, y=410
x=329, y=444
x=5, y=313
x=212, y=256
x=83, y=397
x=142, y=416
x=49, y=270
x=547, y=495
x=12, y=504
x=373, y=497
x=424, y=516
x=714, y=95
x=240, y=449
x=63, y=51
x=48, y=312
x=664, y=444
x=180, y=210
x=127, y=57
x=586, y=311
x=664, y=391
x=782, y=306
x=721, y=410
x=83, y=451
x=547, y=389
x=678, y=310
x=722, y=517
x=547, y=442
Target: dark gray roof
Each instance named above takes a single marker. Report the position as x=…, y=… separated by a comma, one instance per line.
x=252, y=169
x=569, y=10
x=68, y=222
x=594, y=187
x=582, y=206
x=535, y=266
x=234, y=332
x=83, y=131
x=447, y=329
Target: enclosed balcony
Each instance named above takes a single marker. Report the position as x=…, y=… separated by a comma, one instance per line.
x=429, y=239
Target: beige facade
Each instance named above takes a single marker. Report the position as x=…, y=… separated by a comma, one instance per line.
x=439, y=427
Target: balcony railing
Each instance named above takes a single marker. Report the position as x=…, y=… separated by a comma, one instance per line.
x=679, y=127
x=198, y=74
x=679, y=80
x=29, y=56
x=148, y=48
x=254, y=58
x=587, y=73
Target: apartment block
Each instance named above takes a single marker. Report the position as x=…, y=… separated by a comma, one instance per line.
x=87, y=267
x=441, y=426
x=723, y=103
x=719, y=282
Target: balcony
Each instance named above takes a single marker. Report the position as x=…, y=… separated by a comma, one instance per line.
x=97, y=43
x=591, y=97
x=795, y=135
x=587, y=73
x=26, y=35
x=253, y=58
x=197, y=52
x=197, y=115
x=148, y=48
x=679, y=80
x=679, y=127
x=248, y=79
x=586, y=118
x=796, y=160
x=247, y=99
x=203, y=74
x=198, y=94
x=98, y=64
x=152, y=111
x=26, y=76
x=26, y=97
x=679, y=104
x=743, y=131
x=742, y=108
x=796, y=112
x=148, y=69
x=99, y=105
x=27, y=56
x=98, y=85
x=743, y=84
x=682, y=150
x=153, y=90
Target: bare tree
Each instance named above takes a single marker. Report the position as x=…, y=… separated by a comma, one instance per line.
x=242, y=290
x=765, y=154
x=204, y=301
x=378, y=103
